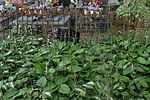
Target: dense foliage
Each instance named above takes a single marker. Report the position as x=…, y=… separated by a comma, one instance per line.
x=135, y=9
x=114, y=70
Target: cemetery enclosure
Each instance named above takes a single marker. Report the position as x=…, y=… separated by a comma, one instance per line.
x=91, y=25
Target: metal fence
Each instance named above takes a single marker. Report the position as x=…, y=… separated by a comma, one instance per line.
x=69, y=24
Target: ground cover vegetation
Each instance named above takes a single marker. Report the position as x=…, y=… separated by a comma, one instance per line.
x=117, y=69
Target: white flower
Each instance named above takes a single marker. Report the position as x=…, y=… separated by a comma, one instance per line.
x=1, y=7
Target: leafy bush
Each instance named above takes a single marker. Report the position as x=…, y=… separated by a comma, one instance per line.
x=135, y=9
x=113, y=70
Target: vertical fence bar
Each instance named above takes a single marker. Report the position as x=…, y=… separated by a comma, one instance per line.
x=22, y=15
x=37, y=15
x=16, y=13
x=2, y=24
x=7, y=22
x=1, y=13
x=47, y=17
x=27, y=20
x=84, y=23
x=31, y=15
x=41, y=22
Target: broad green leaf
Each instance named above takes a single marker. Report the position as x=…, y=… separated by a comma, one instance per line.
x=148, y=60
x=127, y=70
x=64, y=89
x=145, y=68
x=90, y=58
x=63, y=63
x=41, y=82
x=11, y=84
x=88, y=86
x=10, y=60
x=148, y=49
x=124, y=78
x=57, y=60
x=134, y=55
x=37, y=58
x=116, y=85
x=147, y=95
x=48, y=94
x=139, y=69
x=66, y=60
x=141, y=60
x=4, y=87
x=21, y=71
x=119, y=64
x=60, y=80
x=107, y=50
x=116, y=75
x=61, y=45
x=39, y=67
x=145, y=54
x=44, y=50
x=51, y=70
x=125, y=93
x=90, y=83
x=79, y=51
x=20, y=82
x=74, y=61
x=76, y=68
x=27, y=64
x=126, y=65
x=21, y=92
x=50, y=86
x=143, y=83
x=30, y=51
x=8, y=53
x=81, y=92
x=11, y=92
x=62, y=68
x=99, y=69
x=35, y=94
x=1, y=56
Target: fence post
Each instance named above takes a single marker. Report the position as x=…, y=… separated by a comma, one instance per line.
x=16, y=13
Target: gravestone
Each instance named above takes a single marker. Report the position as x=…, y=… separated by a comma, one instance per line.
x=113, y=2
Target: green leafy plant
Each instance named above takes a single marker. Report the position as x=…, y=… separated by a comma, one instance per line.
x=135, y=9
x=115, y=69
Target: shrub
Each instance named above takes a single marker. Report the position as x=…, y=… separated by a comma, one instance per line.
x=116, y=70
